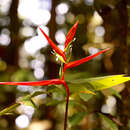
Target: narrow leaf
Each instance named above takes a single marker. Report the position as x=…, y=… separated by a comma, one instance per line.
x=100, y=83
x=107, y=81
x=109, y=122
x=9, y=109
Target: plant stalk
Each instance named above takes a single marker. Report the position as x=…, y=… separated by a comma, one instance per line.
x=66, y=108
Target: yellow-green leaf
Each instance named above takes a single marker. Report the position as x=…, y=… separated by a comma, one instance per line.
x=100, y=83
x=107, y=81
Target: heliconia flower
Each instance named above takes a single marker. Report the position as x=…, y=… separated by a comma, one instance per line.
x=83, y=60
x=53, y=45
x=35, y=83
x=71, y=34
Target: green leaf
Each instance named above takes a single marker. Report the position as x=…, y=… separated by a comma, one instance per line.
x=9, y=109
x=109, y=122
x=85, y=96
x=100, y=83
x=107, y=81
x=81, y=88
x=76, y=118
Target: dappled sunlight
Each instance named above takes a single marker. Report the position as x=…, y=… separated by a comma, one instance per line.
x=4, y=6
x=26, y=31
x=62, y=8
x=4, y=39
x=60, y=19
x=109, y=107
x=22, y=121
x=34, y=44
x=41, y=13
x=39, y=73
x=60, y=37
x=99, y=31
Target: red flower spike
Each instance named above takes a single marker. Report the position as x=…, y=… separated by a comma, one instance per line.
x=83, y=60
x=37, y=83
x=71, y=34
x=58, y=50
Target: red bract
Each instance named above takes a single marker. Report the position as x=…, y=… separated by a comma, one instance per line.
x=83, y=60
x=57, y=49
x=71, y=34
x=37, y=83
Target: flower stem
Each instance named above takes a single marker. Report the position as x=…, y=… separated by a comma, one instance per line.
x=66, y=108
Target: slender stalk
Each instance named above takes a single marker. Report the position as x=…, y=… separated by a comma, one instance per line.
x=66, y=108
x=66, y=113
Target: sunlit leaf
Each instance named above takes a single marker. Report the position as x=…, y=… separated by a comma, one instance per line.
x=100, y=83
x=109, y=122
x=107, y=81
